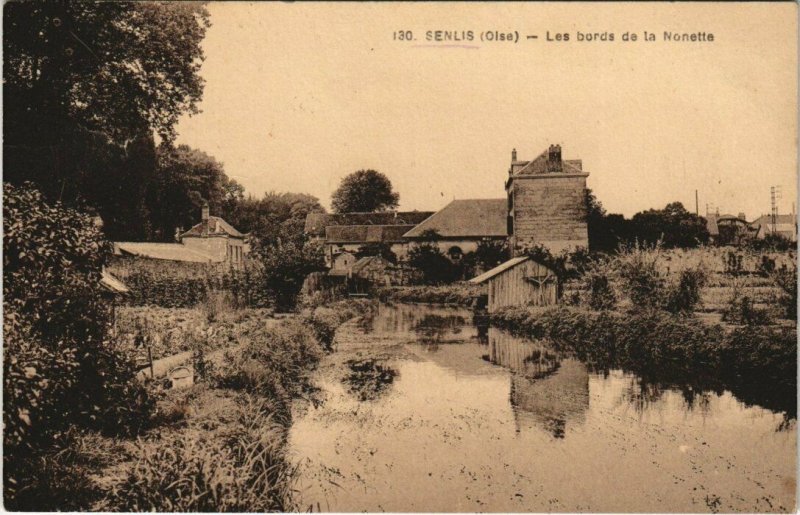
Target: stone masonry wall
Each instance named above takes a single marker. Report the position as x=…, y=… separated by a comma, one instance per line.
x=550, y=209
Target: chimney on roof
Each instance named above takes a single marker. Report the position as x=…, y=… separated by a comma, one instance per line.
x=514, y=155
x=204, y=214
x=742, y=217
x=554, y=159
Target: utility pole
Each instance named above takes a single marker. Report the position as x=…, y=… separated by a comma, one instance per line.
x=774, y=195
x=696, y=204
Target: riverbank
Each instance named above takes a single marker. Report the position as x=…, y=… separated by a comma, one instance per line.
x=457, y=294
x=756, y=362
x=220, y=444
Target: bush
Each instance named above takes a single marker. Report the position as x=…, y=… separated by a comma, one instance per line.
x=432, y=263
x=60, y=369
x=786, y=279
x=684, y=296
x=642, y=280
x=646, y=280
x=459, y=294
x=597, y=280
x=741, y=310
x=282, y=268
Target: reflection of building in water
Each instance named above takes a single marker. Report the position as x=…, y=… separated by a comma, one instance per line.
x=546, y=391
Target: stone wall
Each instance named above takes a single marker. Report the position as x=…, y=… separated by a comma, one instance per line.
x=549, y=209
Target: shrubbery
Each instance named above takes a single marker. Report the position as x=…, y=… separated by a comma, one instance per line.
x=460, y=294
x=59, y=370
x=786, y=279
x=659, y=344
x=276, y=364
x=185, y=285
x=648, y=286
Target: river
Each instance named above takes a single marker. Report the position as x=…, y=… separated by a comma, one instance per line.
x=420, y=410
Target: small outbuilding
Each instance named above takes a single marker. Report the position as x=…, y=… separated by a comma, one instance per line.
x=520, y=281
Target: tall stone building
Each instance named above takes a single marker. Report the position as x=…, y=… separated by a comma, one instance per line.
x=546, y=202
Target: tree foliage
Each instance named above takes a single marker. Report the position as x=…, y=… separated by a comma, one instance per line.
x=283, y=268
x=117, y=68
x=673, y=226
x=434, y=266
x=59, y=368
x=364, y=191
x=85, y=87
x=274, y=217
x=185, y=179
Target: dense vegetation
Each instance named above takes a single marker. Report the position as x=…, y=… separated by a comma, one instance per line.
x=85, y=87
x=221, y=445
x=61, y=371
x=757, y=363
x=636, y=311
x=458, y=294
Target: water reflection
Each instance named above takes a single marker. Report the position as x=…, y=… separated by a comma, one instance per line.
x=406, y=427
x=433, y=328
x=423, y=324
x=547, y=390
x=369, y=379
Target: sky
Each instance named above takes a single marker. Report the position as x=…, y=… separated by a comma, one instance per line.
x=297, y=96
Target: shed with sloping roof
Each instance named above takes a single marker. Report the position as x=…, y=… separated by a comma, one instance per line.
x=520, y=281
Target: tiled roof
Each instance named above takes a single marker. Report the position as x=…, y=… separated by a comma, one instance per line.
x=539, y=165
x=467, y=218
x=317, y=222
x=366, y=233
x=216, y=227
x=165, y=251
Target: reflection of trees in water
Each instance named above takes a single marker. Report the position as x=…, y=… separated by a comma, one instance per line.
x=432, y=328
x=696, y=382
x=369, y=379
x=698, y=391
x=546, y=390
x=430, y=323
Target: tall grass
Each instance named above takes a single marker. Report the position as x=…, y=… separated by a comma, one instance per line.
x=242, y=470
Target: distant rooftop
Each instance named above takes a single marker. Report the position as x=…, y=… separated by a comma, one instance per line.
x=467, y=218
x=366, y=233
x=165, y=251
x=317, y=222
x=216, y=227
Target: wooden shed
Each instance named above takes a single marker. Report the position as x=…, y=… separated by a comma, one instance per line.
x=520, y=281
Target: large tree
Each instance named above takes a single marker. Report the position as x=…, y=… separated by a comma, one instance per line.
x=85, y=87
x=364, y=191
x=274, y=217
x=673, y=226
x=185, y=179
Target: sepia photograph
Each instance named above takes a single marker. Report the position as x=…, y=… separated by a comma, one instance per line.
x=400, y=257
